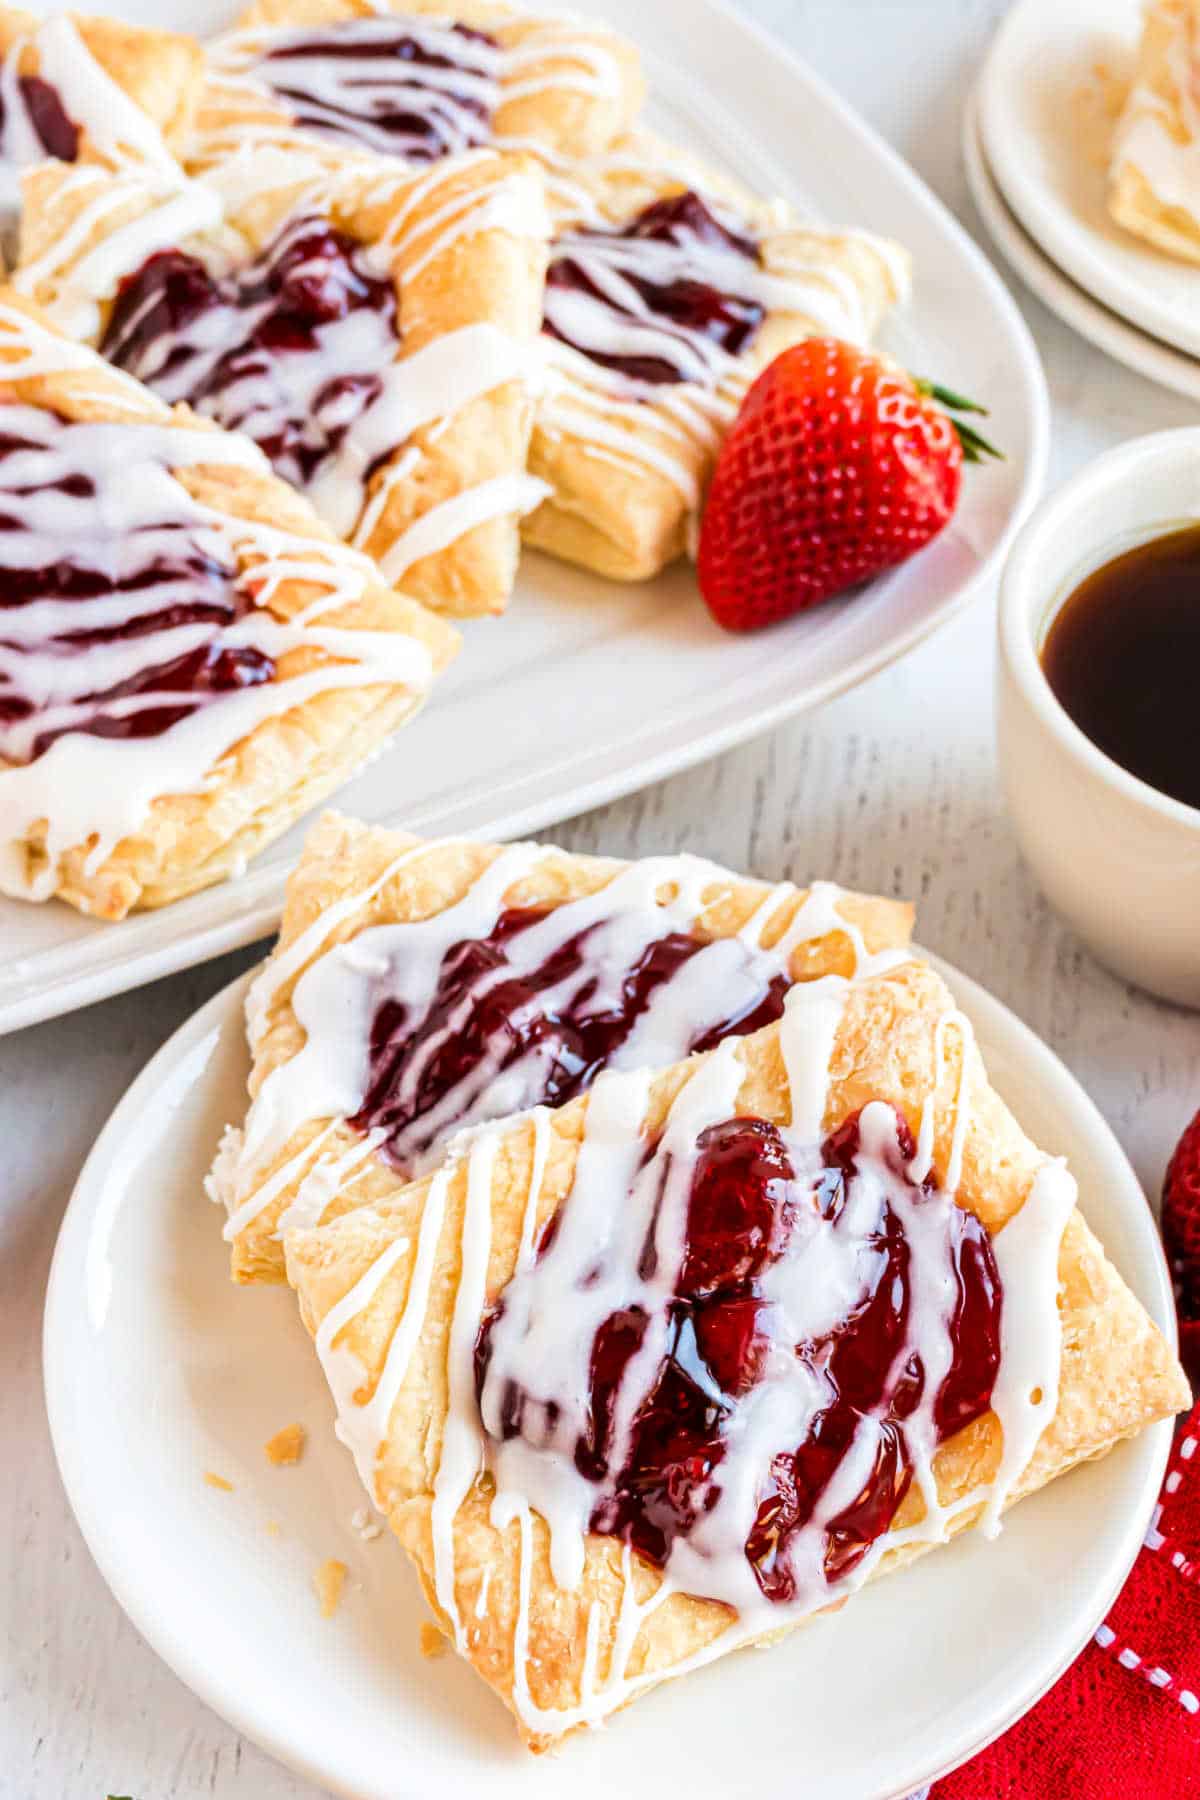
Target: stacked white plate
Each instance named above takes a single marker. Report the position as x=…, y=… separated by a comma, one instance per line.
x=1035, y=161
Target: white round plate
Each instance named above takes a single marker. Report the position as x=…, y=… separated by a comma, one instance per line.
x=158, y=1371
x=1107, y=330
x=1034, y=138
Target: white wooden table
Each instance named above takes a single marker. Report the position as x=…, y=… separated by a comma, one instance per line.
x=891, y=788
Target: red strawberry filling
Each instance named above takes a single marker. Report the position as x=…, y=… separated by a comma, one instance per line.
x=494, y=1012
x=667, y=288
x=289, y=348
x=57, y=134
x=384, y=83
x=759, y=1252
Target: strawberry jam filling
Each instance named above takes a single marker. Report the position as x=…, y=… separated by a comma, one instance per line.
x=828, y=1322
x=650, y=290
x=118, y=608
x=290, y=348
x=515, y=1021
x=416, y=89
x=45, y=116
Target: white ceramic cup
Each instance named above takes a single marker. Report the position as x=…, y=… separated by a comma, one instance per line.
x=1119, y=860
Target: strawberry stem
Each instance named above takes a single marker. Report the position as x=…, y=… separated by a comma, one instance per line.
x=950, y=400
x=975, y=446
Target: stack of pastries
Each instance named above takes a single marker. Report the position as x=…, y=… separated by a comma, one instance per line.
x=305, y=330
x=672, y=1263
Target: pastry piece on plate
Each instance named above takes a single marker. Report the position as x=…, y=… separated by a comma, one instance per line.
x=418, y=79
x=190, y=659
x=79, y=87
x=421, y=988
x=370, y=326
x=668, y=290
x=1154, y=176
x=674, y=1368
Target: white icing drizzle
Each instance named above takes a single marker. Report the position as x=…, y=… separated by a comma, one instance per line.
x=500, y=497
x=922, y=1162
x=611, y=419
x=359, y=1424
x=88, y=787
x=348, y=97
x=460, y=1458
x=115, y=126
x=625, y=323
x=1025, y=1397
x=327, y=1180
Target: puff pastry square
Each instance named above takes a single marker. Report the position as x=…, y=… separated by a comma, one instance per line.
x=632, y=1507
x=378, y=1029
x=668, y=290
x=1154, y=177
x=191, y=659
x=369, y=325
x=417, y=78
x=93, y=89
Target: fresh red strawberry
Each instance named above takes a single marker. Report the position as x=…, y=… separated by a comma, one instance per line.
x=838, y=465
x=1181, y=1237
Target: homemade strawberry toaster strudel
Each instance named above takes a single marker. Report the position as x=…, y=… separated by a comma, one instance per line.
x=190, y=659
x=668, y=290
x=677, y=1364
x=422, y=988
x=370, y=326
x=416, y=79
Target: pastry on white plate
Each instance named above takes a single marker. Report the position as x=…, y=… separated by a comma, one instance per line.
x=417, y=79
x=190, y=659
x=668, y=290
x=370, y=325
x=678, y=1367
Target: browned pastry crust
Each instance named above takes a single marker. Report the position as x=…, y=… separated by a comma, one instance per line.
x=289, y=762
x=1117, y=1372
x=161, y=71
x=489, y=273
x=343, y=858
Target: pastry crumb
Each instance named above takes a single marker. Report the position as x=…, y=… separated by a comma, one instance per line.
x=366, y=1527
x=287, y=1446
x=433, y=1643
x=273, y=1528
x=218, y=1481
x=329, y=1581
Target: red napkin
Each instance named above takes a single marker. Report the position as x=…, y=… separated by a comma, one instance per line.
x=1124, y=1721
